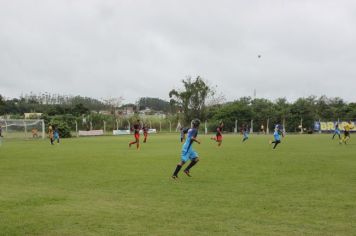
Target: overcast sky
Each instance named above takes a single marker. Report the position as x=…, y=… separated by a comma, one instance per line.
x=139, y=48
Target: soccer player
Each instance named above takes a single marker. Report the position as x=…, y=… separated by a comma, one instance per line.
x=347, y=128
x=145, y=132
x=183, y=132
x=244, y=133
x=280, y=129
x=337, y=131
x=218, y=137
x=56, y=135
x=50, y=134
x=262, y=129
x=187, y=150
x=277, y=137
x=34, y=133
x=136, y=129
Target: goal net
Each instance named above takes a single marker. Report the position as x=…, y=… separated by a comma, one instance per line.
x=22, y=128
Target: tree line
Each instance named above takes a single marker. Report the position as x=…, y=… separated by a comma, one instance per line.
x=193, y=101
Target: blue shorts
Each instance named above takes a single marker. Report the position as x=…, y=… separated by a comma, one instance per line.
x=336, y=131
x=188, y=155
x=56, y=136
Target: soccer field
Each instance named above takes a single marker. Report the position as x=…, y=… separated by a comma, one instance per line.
x=98, y=186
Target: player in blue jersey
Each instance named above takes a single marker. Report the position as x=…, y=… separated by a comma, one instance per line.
x=244, y=131
x=277, y=137
x=337, y=131
x=56, y=135
x=187, y=150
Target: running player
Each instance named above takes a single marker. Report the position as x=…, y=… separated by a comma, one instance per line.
x=50, y=134
x=244, y=131
x=337, y=131
x=347, y=128
x=187, y=150
x=218, y=137
x=277, y=137
x=136, y=129
x=262, y=129
x=145, y=132
x=56, y=135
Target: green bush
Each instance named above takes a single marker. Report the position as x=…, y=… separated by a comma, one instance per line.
x=62, y=126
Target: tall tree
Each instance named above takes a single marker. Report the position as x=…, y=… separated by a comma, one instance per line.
x=191, y=99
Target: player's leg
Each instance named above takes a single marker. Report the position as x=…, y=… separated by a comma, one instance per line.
x=344, y=138
x=276, y=142
x=347, y=137
x=137, y=137
x=245, y=137
x=219, y=139
x=133, y=142
x=193, y=156
x=184, y=158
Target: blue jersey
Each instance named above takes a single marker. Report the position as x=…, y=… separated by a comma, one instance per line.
x=245, y=133
x=56, y=135
x=276, y=135
x=187, y=146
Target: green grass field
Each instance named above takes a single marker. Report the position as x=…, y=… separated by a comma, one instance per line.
x=98, y=186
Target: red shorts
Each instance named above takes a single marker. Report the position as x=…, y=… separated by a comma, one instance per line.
x=218, y=138
x=137, y=136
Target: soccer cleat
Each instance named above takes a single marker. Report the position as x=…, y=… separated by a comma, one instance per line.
x=175, y=177
x=187, y=173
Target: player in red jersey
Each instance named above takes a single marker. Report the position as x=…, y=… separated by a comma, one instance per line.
x=218, y=137
x=136, y=129
x=145, y=132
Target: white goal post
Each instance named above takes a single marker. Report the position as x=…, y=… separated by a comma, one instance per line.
x=22, y=128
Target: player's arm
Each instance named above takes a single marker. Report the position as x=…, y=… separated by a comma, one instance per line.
x=195, y=140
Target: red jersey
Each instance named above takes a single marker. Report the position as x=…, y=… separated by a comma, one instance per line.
x=218, y=131
x=136, y=128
